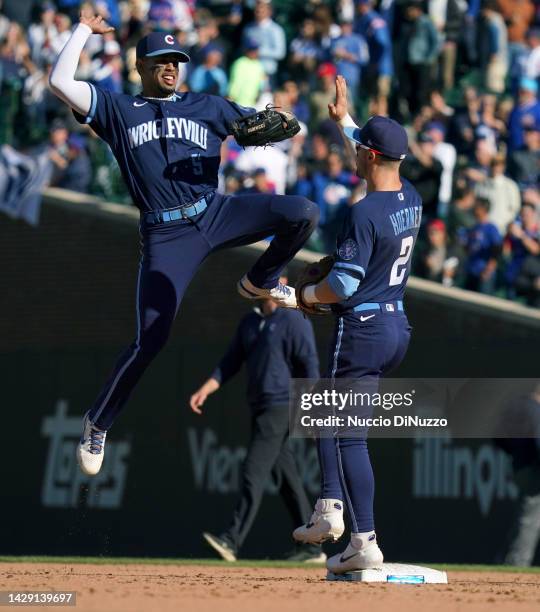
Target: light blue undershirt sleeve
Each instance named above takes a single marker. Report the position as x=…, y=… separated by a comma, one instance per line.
x=345, y=280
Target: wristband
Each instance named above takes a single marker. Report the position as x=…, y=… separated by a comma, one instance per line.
x=308, y=294
x=347, y=121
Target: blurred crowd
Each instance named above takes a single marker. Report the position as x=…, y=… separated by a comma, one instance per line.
x=463, y=76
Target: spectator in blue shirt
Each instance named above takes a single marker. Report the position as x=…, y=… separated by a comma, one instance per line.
x=524, y=164
x=269, y=35
x=107, y=68
x=421, y=43
x=210, y=77
x=76, y=174
x=525, y=113
x=305, y=51
x=492, y=41
x=380, y=68
x=299, y=106
x=110, y=11
x=258, y=183
x=332, y=188
x=470, y=31
x=523, y=240
x=483, y=249
x=350, y=53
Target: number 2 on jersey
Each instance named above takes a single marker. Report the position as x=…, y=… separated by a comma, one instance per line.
x=399, y=268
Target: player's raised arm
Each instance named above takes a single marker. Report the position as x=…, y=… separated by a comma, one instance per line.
x=339, y=112
x=340, y=109
x=62, y=78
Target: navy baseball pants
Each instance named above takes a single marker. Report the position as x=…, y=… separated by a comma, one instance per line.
x=360, y=348
x=269, y=453
x=171, y=254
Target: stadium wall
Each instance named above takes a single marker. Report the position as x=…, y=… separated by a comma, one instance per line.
x=66, y=311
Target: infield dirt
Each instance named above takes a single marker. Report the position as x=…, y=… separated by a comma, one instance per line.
x=200, y=588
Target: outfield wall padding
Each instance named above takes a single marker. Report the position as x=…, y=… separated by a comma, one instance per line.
x=67, y=310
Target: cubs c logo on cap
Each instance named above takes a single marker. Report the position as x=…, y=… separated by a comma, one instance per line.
x=169, y=39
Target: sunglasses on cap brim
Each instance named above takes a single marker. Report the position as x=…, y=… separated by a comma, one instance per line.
x=366, y=148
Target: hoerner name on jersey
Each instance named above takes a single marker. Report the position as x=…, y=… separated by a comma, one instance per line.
x=172, y=127
x=406, y=219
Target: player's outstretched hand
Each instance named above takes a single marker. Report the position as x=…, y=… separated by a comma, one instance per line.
x=340, y=108
x=96, y=23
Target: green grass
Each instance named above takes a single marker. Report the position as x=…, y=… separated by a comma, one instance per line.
x=154, y=561
x=243, y=563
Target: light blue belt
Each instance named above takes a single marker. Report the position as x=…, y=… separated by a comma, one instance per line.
x=384, y=306
x=187, y=211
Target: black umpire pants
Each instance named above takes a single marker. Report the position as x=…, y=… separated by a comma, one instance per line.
x=269, y=453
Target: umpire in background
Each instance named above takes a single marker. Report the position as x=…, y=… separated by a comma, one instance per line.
x=276, y=344
x=524, y=533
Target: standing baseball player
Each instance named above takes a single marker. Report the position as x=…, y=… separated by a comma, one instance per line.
x=168, y=147
x=365, y=288
x=275, y=344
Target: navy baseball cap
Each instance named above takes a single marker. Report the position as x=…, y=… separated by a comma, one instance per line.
x=160, y=43
x=250, y=44
x=382, y=135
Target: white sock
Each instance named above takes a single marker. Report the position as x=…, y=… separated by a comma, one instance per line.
x=329, y=505
x=363, y=540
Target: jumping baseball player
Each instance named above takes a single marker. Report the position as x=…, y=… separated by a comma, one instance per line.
x=168, y=147
x=365, y=287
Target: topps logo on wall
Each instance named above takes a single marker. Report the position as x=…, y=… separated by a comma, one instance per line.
x=63, y=479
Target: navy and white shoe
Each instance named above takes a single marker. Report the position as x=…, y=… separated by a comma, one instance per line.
x=281, y=294
x=326, y=523
x=362, y=553
x=91, y=448
x=221, y=546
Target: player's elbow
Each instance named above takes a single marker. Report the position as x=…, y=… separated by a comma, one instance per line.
x=343, y=283
x=55, y=81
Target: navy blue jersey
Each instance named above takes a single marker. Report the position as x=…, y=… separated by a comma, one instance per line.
x=275, y=348
x=168, y=150
x=376, y=243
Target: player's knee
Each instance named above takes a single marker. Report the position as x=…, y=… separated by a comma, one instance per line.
x=305, y=210
x=154, y=339
x=312, y=212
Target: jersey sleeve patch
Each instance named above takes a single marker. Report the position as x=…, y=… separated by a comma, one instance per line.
x=348, y=249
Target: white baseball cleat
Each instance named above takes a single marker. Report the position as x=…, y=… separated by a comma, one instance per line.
x=281, y=294
x=91, y=448
x=325, y=524
x=362, y=553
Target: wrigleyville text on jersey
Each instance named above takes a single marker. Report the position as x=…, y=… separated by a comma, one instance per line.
x=171, y=127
